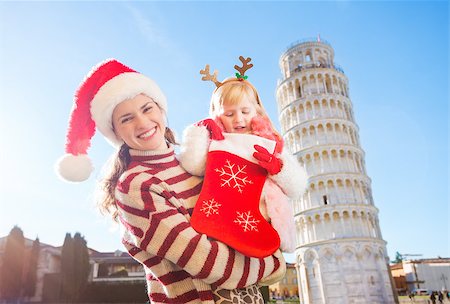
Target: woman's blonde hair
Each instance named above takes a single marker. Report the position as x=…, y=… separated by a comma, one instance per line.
x=115, y=167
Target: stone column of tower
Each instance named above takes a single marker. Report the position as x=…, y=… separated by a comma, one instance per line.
x=341, y=256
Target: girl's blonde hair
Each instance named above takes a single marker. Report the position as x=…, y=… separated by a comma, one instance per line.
x=116, y=166
x=231, y=92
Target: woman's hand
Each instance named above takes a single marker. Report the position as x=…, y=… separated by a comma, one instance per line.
x=266, y=160
x=214, y=130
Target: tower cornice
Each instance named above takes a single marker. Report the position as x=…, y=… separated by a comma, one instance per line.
x=323, y=121
x=320, y=148
x=335, y=70
x=335, y=207
x=314, y=97
x=342, y=242
x=339, y=175
x=298, y=46
x=298, y=73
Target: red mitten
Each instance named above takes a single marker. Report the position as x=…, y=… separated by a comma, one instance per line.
x=267, y=160
x=214, y=130
x=228, y=206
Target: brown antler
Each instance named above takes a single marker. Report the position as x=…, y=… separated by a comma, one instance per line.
x=245, y=65
x=208, y=76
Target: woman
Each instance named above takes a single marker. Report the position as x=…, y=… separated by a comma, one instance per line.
x=152, y=197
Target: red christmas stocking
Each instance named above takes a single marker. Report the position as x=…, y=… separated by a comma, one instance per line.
x=228, y=206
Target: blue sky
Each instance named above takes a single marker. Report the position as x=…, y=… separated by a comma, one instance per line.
x=395, y=55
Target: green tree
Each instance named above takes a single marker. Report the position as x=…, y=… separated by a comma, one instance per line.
x=82, y=267
x=74, y=268
x=29, y=287
x=12, y=266
x=67, y=269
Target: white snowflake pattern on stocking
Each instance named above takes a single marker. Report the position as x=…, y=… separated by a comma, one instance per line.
x=210, y=207
x=232, y=177
x=247, y=221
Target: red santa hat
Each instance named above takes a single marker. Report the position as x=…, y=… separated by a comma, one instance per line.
x=107, y=84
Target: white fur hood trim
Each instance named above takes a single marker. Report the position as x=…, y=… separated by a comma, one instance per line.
x=194, y=149
x=292, y=178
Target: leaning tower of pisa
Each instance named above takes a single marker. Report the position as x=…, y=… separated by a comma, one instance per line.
x=340, y=255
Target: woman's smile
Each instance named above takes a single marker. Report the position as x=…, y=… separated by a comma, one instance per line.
x=147, y=134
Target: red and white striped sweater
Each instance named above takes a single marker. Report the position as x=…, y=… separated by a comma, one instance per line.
x=155, y=197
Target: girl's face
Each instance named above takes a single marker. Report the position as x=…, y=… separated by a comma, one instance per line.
x=140, y=123
x=237, y=118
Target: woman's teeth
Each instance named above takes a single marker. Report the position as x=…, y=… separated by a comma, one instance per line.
x=147, y=134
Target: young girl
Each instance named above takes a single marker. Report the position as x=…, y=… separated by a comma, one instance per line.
x=236, y=108
x=151, y=196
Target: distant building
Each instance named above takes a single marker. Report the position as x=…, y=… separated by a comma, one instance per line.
x=107, y=267
x=49, y=262
x=115, y=266
x=287, y=287
x=398, y=275
x=429, y=274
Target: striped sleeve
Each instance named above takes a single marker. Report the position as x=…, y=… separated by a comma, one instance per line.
x=150, y=214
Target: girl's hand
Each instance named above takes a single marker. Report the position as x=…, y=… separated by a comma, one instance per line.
x=266, y=160
x=215, y=133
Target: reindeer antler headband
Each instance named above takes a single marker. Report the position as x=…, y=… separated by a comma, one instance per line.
x=239, y=76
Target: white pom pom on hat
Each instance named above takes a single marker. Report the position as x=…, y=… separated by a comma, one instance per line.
x=106, y=85
x=74, y=168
